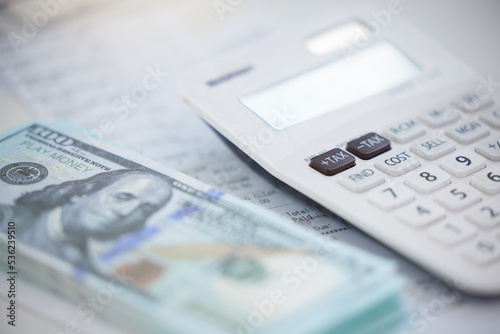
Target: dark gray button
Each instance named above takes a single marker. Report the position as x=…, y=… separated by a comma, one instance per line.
x=368, y=146
x=333, y=161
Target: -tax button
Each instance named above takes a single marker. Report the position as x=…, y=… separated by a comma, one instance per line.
x=368, y=146
x=333, y=162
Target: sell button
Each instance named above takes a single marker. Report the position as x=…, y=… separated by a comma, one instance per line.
x=333, y=162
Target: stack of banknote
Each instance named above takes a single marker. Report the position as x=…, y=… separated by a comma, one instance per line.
x=154, y=251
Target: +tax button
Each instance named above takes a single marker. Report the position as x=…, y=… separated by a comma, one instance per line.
x=333, y=162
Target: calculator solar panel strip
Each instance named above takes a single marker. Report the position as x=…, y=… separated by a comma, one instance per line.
x=400, y=135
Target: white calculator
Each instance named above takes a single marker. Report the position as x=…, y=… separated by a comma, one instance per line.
x=377, y=123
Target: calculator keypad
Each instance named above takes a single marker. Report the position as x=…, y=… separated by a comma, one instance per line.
x=440, y=178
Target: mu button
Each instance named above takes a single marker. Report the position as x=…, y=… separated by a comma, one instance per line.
x=333, y=162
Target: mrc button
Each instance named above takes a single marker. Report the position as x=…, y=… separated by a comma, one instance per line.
x=368, y=146
x=333, y=162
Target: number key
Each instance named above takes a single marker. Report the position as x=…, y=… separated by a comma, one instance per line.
x=421, y=214
x=391, y=196
x=488, y=180
x=464, y=163
x=457, y=196
x=451, y=233
x=428, y=179
x=483, y=251
x=486, y=215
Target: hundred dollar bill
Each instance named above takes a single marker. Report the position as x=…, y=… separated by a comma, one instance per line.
x=154, y=250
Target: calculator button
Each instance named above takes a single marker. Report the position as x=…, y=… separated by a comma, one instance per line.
x=397, y=163
x=486, y=215
x=452, y=232
x=463, y=163
x=421, y=214
x=368, y=146
x=473, y=101
x=457, y=197
x=428, y=179
x=468, y=131
x=333, y=162
x=438, y=116
x=432, y=148
x=361, y=179
x=404, y=131
x=491, y=117
x=483, y=251
x=488, y=180
x=391, y=196
x=490, y=148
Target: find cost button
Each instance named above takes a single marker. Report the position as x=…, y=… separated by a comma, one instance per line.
x=333, y=162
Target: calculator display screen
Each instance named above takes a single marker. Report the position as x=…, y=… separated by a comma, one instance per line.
x=337, y=84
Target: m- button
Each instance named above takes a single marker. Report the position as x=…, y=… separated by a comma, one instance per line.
x=333, y=162
x=368, y=146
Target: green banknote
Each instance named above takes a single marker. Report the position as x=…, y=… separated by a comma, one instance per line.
x=154, y=250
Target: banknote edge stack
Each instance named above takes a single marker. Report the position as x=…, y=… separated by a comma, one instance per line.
x=370, y=305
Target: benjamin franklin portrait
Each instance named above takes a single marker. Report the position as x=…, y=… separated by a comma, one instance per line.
x=60, y=219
